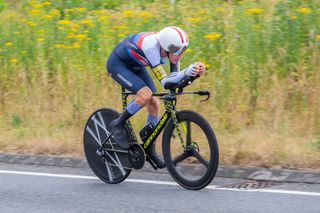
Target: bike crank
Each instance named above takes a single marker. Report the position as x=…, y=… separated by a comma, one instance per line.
x=136, y=156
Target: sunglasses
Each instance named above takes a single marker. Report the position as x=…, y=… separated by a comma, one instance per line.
x=176, y=50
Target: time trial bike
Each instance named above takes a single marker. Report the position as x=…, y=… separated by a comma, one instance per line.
x=189, y=145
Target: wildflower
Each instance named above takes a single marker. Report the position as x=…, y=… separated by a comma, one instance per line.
x=193, y=19
x=74, y=29
x=80, y=9
x=127, y=12
x=31, y=24
x=65, y=22
x=54, y=12
x=80, y=36
x=47, y=16
x=37, y=5
x=13, y=61
x=8, y=44
x=87, y=22
x=40, y=39
x=75, y=45
x=293, y=17
x=255, y=10
x=189, y=50
x=120, y=27
x=60, y=46
x=145, y=14
x=220, y=10
x=318, y=37
x=212, y=36
x=102, y=18
x=34, y=12
x=304, y=10
x=46, y=3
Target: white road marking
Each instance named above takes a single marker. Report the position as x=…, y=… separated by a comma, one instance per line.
x=277, y=191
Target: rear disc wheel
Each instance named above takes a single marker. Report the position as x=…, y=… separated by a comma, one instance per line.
x=108, y=162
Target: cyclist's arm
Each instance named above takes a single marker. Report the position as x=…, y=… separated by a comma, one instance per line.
x=168, y=81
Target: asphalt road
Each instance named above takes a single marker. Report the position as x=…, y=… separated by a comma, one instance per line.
x=25, y=188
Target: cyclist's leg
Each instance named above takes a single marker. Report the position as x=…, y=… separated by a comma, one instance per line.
x=127, y=78
x=153, y=107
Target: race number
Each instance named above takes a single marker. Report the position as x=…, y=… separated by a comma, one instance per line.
x=159, y=72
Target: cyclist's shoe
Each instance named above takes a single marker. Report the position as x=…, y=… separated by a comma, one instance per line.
x=119, y=131
x=155, y=158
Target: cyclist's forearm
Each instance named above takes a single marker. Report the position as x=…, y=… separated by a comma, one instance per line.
x=174, y=78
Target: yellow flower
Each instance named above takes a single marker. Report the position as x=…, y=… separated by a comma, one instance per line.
x=102, y=18
x=127, y=12
x=120, y=27
x=193, y=19
x=87, y=22
x=80, y=9
x=9, y=44
x=69, y=10
x=60, y=46
x=318, y=37
x=54, y=12
x=80, y=36
x=188, y=50
x=255, y=10
x=65, y=22
x=34, y=12
x=293, y=17
x=304, y=10
x=13, y=60
x=47, y=16
x=40, y=39
x=31, y=24
x=220, y=9
x=145, y=14
x=46, y=3
x=75, y=45
x=36, y=6
x=212, y=36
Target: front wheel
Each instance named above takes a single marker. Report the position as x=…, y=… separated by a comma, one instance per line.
x=193, y=163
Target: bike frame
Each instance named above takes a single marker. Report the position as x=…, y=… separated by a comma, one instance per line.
x=170, y=105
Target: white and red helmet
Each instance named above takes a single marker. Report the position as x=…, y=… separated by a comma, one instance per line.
x=173, y=39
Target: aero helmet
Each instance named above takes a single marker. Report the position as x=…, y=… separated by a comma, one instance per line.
x=173, y=39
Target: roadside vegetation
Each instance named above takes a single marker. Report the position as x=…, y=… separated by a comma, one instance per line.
x=263, y=70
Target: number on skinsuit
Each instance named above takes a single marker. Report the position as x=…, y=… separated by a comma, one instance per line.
x=159, y=72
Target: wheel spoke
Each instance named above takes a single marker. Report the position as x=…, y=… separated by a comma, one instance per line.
x=200, y=158
x=181, y=157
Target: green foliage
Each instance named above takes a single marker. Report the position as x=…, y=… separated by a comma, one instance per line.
x=2, y=5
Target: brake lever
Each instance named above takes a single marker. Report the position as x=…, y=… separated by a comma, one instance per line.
x=203, y=93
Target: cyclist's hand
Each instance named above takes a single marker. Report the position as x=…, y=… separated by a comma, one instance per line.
x=191, y=70
x=200, y=67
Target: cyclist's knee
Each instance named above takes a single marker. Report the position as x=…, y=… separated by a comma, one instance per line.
x=154, y=102
x=144, y=96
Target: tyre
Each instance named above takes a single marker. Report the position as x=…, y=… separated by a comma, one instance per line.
x=108, y=162
x=194, y=166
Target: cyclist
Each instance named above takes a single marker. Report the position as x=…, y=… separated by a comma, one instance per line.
x=127, y=65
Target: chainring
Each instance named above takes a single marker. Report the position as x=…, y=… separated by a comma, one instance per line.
x=136, y=156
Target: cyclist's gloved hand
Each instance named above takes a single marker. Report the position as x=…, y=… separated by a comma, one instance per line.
x=191, y=70
x=201, y=67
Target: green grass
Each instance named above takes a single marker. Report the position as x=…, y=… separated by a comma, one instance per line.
x=262, y=58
